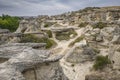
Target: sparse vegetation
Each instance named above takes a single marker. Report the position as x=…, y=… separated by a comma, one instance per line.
x=8, y=22
x=89, y=8
x=101, y=62
x=49, y=33
x=33, y=39
x=100, y=25
x=76, y=40
x=48, y=24
x=50, y=43
x=65, y=35
x=72, y=64
x=83, y=24
x=96, y=50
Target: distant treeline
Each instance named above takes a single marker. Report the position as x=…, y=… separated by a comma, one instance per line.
x=9, y=22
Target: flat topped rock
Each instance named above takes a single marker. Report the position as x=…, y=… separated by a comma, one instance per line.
x=11, y=49
x=80, y=54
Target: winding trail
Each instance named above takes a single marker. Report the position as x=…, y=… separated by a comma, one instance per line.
x=79, y=71
x=64, y=45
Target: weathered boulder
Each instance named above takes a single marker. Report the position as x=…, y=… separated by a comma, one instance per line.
x=114, y=56
x=80, y=54
x=94, y=35
x=116, y=39
x=99, y=38
x=27, y=26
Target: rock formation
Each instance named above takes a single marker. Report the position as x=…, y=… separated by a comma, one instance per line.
x=23, y=60
x=79, y=36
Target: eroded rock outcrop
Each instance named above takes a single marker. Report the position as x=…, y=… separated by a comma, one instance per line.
x=26, y=58
x=99, y=34
x=80, y=54
x=28, y=26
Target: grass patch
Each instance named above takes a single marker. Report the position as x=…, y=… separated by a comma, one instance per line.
x=76, y=40
x=83, y=24
x=101, y=62
x=33, y=39
x=100, y=25
x=65, y=35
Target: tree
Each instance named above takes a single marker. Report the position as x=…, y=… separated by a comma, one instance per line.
x=9, y=22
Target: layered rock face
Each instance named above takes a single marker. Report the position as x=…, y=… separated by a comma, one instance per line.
x=25, y=58
x=79, y=37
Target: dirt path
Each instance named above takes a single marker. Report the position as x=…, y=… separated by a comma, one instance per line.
x=63, y=45
x=77, y=72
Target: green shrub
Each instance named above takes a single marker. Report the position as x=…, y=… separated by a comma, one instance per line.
x=83, y=24
x=8, y=22
x=76, y=40
x=49, y=33
x=50, y=43
x=72, y=32
x=100, y=25
x=101, y=62
x=48, y=24
x=33, y=39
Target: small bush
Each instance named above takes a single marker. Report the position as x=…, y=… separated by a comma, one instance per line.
x=49, y=33
x=101, y=62
x=33, y=39
x=48, y=24
x=76, y=40
x=100, y=25
x=72, y=65
x=83, y=24
x=50, y=43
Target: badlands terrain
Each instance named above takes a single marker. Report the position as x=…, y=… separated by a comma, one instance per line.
x=78, y=45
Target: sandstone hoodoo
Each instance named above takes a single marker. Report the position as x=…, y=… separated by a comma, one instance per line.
x=78, y=45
